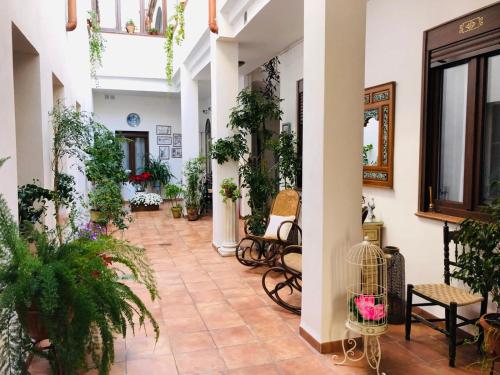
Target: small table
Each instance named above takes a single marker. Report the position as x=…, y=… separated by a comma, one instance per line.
x=373, y=230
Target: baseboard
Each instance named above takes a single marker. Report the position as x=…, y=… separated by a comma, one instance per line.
x=324, y=347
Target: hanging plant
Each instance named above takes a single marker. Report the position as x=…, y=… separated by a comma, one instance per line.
x=96, y=44
x=175, y=30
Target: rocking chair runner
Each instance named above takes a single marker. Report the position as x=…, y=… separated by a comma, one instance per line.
x=289, y=269
x=446, y=296
x=255, y=250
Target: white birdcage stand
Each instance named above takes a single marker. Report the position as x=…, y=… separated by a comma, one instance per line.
x=366, y=303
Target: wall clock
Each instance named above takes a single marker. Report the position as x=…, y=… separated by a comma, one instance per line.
x=133, y=120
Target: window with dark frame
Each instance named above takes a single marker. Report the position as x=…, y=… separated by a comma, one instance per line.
x=300, y=128
x=460, y=140
x=135, y=150
x=146, y=14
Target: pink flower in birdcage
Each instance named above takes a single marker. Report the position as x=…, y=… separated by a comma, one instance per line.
x=368, y=309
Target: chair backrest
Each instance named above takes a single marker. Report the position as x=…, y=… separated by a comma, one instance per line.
x=287, y=203
x=451, y=238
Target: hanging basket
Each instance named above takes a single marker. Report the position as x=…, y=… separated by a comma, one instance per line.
x=367, y=290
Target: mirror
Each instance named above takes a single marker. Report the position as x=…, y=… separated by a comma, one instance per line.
x=378, y=135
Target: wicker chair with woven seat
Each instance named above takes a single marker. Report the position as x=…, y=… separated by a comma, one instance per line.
x=289, y=270
x=281, y=230
x=447, y=296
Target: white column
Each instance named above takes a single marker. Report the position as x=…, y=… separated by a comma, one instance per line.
x=189, y=116
x=224, y=87
x=334, y=46
x=230, y=241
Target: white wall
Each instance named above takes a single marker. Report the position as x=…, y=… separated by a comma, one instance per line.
x=291, y=71
x=397, y=56
x=63, y=53
x=153, y=110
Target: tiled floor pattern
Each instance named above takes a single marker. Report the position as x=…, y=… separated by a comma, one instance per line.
x=215, y=319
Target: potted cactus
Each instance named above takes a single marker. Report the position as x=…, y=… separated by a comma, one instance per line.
x=130, y=26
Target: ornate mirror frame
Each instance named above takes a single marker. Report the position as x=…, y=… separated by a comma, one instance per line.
x=380, y=104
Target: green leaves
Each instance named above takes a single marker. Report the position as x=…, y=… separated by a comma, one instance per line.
x=285, y=150
x=174, y=30
x=229, y=149
x=160, y=171
x=96, y=44
x=193, y=172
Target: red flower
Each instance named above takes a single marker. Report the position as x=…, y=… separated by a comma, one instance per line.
x=143, y=177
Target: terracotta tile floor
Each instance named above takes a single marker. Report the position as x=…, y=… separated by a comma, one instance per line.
x=215, y=319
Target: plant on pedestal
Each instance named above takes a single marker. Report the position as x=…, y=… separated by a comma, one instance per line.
x=193, y=173
x=229, y=190
x=174, y=193
x=479, y=268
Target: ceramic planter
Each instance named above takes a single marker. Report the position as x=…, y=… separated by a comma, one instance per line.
x=130, y=28
x=492, y=336
x=192, y=214
x=141, y=207
x=176, y=212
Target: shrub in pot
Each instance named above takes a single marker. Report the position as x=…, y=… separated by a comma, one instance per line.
x=173, y=193
x=479, y=268
x=70, y=293
x=193, y=173
x=107, y=205
x=160, y=174
x=229, y=190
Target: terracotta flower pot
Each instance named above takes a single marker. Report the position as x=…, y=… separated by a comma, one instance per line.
x=176, y=212
x=95, y=216
x=492, y=334
x=192, y=214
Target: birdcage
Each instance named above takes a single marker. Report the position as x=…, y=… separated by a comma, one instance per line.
x=367, y=290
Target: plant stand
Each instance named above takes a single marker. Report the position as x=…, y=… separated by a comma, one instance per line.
x=371, y=350
x=230, y=242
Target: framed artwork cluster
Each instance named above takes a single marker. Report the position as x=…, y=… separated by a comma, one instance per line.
x=167, y=141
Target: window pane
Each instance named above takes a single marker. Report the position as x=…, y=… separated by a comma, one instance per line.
x=452, y=152
x=130, y=10
x=491, y=141
x=126, y=156
x=107, y=13
x=154, y=14
x=140, y=154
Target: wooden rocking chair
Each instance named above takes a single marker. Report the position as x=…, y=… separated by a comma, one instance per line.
x=282, y=231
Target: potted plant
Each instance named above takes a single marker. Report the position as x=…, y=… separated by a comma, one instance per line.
x=130, y=26
x=140, y=181
x=479, y=269
x=229, y=190
x=106, y=205
x=159, y=172
x=71, y=293
x=153, y=31
x=173, y=193
x=193, y=171
x=145, y=202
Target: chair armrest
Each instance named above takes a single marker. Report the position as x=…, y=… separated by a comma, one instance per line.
x=294, y=225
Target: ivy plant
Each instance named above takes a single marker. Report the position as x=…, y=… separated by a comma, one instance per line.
x=96, y=44
x=174, y=31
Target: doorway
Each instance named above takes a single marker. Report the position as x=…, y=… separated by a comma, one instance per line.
x=135, y=150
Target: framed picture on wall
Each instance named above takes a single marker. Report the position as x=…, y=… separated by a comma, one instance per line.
x=164, y=140
x=177, y=153
x=164, y=153
x=286, y=127
x=163, y=130
x=177, y=140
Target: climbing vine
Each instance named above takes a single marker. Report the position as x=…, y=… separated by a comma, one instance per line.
x=96, y=44
x=174, y=31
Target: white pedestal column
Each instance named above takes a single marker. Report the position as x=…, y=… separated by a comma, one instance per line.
x=224, y=89
x=334, y=46
x=230, y=241
x=189, y=116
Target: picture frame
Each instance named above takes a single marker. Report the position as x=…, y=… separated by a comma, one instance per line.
x=177, y=140
x=164, y=140
x=163, y=130
x=164, y=152
x=286, y=127
x=176, y=153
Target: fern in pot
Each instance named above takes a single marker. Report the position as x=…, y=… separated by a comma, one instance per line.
x=479, y=268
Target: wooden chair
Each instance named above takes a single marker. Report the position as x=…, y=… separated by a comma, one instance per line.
x=446, y=296
x=255, y=250
x=289, y=269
